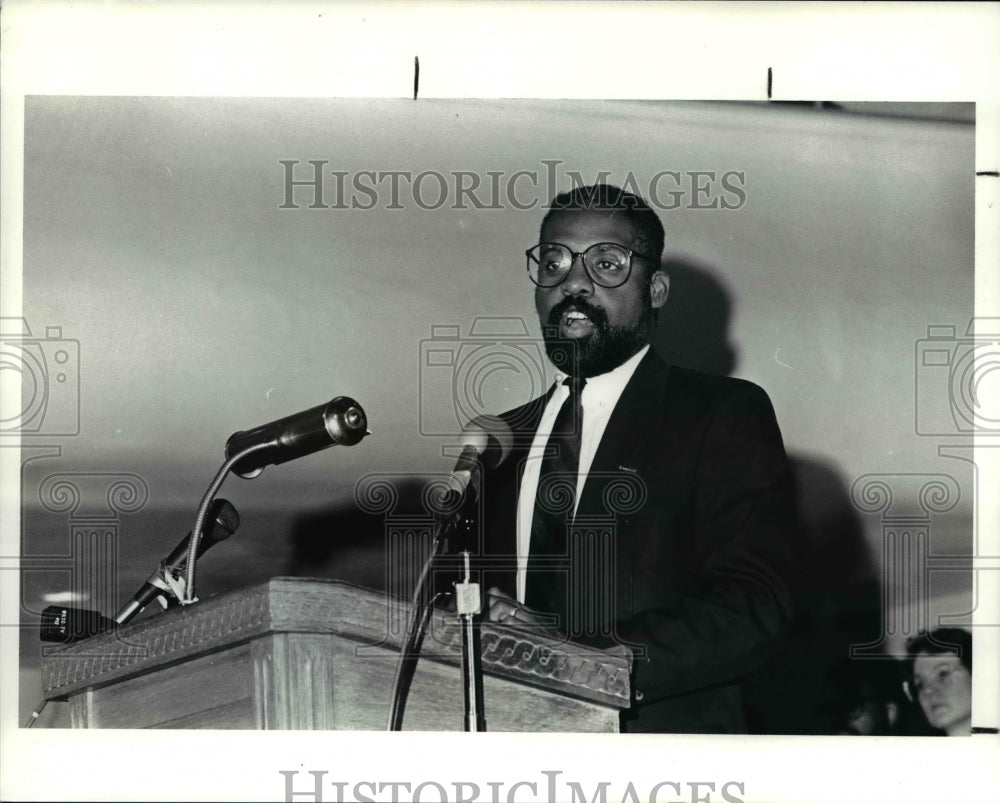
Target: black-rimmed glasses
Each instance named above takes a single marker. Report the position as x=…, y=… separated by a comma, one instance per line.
x=607, y=264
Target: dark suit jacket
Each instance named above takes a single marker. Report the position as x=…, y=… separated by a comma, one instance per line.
x=692, y=483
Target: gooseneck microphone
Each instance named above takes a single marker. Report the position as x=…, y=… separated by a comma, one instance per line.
x=224, y=520
x=339, y=421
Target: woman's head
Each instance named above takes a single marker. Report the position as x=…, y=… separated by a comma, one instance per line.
x=939, y=672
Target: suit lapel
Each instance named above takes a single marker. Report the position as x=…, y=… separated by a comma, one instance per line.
x=636, y=417
x=502, y=515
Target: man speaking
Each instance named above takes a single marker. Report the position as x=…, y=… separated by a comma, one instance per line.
x=643, y=504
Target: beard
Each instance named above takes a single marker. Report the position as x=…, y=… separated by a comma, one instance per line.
x=604, y=349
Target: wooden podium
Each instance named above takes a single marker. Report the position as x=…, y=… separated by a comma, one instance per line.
x=313, y=654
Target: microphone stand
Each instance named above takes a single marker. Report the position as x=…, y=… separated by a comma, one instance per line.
x=468, y=600
x=468, y=603
x=420, y=611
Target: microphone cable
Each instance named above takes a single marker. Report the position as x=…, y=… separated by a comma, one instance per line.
x=420, y=615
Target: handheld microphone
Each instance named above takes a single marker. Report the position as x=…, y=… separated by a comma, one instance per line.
x=486, y=442
x=340, y=421
x=223, y=522
x=66, y=625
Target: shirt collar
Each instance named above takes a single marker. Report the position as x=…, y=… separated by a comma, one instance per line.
x=609, y=385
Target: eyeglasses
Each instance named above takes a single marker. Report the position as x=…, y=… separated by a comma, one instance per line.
x=607, y=264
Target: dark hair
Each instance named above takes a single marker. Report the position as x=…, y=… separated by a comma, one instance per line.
x=851, y=682
x=607, y=197
x=943, y=641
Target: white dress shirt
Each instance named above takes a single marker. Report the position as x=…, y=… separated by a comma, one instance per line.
x=600, y=395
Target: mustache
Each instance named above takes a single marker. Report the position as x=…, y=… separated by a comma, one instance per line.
x=596, y=314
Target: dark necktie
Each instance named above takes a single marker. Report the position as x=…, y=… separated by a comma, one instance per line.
x=548, y=565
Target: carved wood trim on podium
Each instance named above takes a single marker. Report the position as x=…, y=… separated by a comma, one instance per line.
x=314, y=654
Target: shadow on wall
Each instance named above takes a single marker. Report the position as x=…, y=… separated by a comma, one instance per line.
x=693, y=327
x=837, y=604
x=837, y=591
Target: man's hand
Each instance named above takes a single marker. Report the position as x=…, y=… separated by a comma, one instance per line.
x=506, y=610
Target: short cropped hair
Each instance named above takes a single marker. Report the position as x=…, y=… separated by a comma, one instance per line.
x=607, y=197
x=943, y=641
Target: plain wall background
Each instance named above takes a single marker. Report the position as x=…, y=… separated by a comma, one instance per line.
x=153, y=236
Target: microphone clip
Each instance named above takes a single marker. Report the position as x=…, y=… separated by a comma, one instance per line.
x=171, y=582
